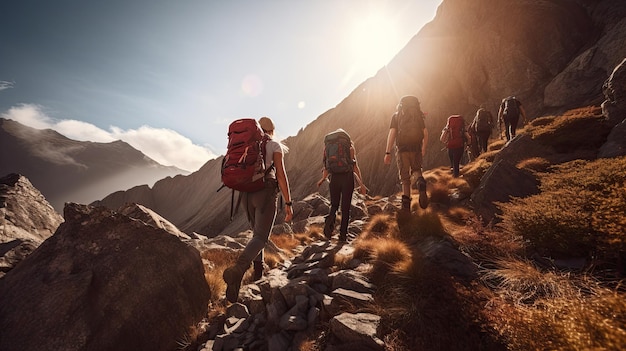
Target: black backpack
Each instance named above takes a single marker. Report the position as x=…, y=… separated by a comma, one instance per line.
x=483, y=121
x=337, y=152
x=511, y=107
x=411, y=122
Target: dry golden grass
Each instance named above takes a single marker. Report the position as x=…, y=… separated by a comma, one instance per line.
x=537, y=164
x=289, y=242
x=473, y=172
x=380, y=225
x=579, y=212
x=582, y=128
x=219, y=260
x=386, y=255
x=496, y=144
x=550, y=310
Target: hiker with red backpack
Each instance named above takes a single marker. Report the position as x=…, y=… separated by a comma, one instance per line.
x=509, y=112
x=259, y=194
x=481, y=127
x=341, y=166
x=455, y=136
x=409, y=135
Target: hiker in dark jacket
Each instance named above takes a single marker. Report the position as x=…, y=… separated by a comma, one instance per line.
x=481, y=127
x=509, y=113
x=261, y=207
x=341, y=187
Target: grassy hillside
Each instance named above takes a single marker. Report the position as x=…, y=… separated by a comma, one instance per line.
x=551, y=267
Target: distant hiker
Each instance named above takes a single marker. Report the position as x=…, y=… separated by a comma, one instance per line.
x=261, y=209
x=341, y=166
x=455, y=136
x=473, y=149
x=481, y=127
x=409, y=134
x=509, y=113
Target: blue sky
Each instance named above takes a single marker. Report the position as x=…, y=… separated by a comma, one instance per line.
x=169, y=76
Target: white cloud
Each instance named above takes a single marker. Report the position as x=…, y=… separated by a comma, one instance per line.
x=82, y=131
x=162, y=145
x=165, y=146
x=30, y=115
x=5, y=85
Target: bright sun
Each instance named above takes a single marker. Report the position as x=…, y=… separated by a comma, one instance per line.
x=374, y=42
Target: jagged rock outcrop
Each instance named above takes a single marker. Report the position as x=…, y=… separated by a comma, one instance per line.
x=13, y=252
x=26, y=220
x=24, y=212
x=554, y=55
x=103, y=281
x=152, y=218
x=614, y=108
x=66, y=170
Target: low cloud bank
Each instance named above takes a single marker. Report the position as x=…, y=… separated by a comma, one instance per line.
x=165, y=146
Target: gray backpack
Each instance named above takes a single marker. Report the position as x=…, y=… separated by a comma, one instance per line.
x=411, y=122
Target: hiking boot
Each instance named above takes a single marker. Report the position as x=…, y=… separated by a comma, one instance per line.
x=423, y=197
x=258, y=270
x=406, y=202
x=232, y=276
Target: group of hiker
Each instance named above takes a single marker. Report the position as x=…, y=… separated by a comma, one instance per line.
x=474, y=138
x=254, y=165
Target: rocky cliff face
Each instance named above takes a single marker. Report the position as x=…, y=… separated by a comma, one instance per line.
x=553, y=55
x=66, y=170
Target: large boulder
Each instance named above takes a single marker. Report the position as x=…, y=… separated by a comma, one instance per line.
x=615, y=145
x=103, y=281
x=502, y=182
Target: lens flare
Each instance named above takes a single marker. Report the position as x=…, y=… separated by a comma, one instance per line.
x=252, y=85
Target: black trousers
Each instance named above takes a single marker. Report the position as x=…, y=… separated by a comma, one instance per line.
x=510, y=126
x=341, y=187
x=483, y=139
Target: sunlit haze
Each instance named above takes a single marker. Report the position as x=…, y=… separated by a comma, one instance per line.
x=168, y=77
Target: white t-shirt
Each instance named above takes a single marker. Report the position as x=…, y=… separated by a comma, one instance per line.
x=270, y=148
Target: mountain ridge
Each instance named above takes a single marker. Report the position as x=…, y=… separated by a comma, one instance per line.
x=67, y=170
x=472, y=53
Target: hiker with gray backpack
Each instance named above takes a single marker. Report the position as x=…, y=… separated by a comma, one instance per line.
x=340, y=165
x=253, y=165
x=481, y=127
x=408, y=133
x=510, y=111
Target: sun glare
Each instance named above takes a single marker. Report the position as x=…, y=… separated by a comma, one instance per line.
x=374, y=41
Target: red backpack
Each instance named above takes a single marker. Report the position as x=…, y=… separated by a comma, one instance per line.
x=456, y=131
x=243, y=166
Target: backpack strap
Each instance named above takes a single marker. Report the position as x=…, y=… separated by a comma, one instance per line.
x=232, y=201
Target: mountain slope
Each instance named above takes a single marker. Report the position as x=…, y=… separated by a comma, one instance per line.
x=553, y=55
x=66, y=170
